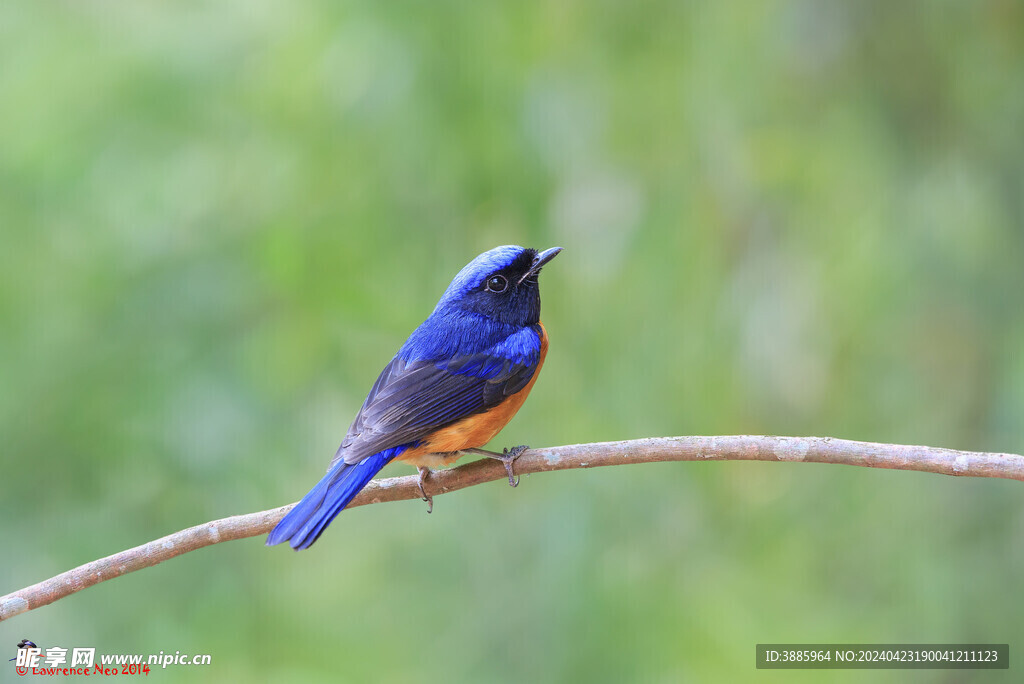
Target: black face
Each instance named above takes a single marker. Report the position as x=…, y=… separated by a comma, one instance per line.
x=509, y=295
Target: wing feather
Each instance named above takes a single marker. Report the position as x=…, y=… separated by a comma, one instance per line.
x=410, y=400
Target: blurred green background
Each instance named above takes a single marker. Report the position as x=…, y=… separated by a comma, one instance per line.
x=220, y=220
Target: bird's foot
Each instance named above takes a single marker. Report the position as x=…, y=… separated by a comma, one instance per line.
x=424, y=474
x=507, y=456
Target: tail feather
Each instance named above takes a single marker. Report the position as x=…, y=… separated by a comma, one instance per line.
x=304, y=524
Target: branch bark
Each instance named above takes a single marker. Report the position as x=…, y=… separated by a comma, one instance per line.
x=739, y=448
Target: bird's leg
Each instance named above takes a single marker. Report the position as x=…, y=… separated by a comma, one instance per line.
x=507, y=456
x=424, y=474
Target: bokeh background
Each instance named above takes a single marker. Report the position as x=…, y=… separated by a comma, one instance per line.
x=220, y=220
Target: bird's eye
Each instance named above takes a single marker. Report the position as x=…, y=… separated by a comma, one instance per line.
x=497, y=283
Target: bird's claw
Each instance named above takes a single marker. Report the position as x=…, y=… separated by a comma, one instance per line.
x=424, y=474
x=508, y=457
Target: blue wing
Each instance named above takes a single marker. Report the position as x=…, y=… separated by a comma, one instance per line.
x=412, y=399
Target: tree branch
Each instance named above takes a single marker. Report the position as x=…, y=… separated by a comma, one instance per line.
x=741, y=448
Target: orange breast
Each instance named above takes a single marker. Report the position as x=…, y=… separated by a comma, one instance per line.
x=478, y=429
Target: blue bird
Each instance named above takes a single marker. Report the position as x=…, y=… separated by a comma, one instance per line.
x=454, y=384
x=23, y=644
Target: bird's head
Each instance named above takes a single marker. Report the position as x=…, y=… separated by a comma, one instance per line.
x=500, y=284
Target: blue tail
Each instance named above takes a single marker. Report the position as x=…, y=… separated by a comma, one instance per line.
x=308, y=519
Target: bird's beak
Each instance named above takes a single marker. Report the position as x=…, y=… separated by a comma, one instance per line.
x=539, y=261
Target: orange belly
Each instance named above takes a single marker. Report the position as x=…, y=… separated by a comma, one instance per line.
x=476, y=430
